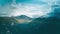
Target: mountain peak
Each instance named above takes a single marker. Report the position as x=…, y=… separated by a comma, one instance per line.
x=23, y=17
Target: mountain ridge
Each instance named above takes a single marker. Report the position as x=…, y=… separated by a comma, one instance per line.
x=23, y=19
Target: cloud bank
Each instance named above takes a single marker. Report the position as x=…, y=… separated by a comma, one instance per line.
x=31, y=8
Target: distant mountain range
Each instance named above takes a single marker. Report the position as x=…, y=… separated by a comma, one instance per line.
x=38, y=25
x=23, y=19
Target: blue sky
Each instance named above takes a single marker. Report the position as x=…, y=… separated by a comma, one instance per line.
x=4, y=2
x=31, y=1
x=30, y=8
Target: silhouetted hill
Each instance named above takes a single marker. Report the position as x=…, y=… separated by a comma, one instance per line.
x=7, y=19
x=49, y=25
x=23, y=19
x=7, y=25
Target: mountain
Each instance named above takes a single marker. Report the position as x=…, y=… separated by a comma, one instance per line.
x=7, y=19
x=23, y=19
x=7, y=25
x=49, y=25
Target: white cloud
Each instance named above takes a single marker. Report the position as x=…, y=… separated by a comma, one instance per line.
x=5, y=10
x=31, y=10
x=27, y=9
